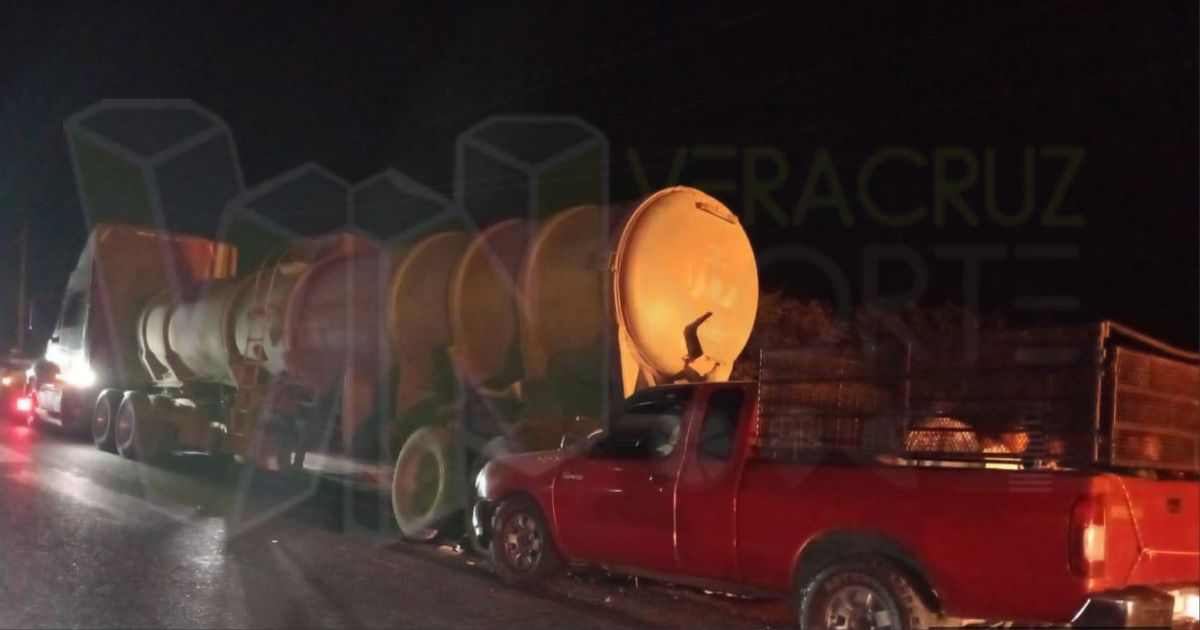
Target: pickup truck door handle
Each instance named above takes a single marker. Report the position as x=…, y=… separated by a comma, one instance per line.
x=572, y=476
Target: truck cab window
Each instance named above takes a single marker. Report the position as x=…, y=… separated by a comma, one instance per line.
x=643, y=431
x=71, y=320
x=720, y=422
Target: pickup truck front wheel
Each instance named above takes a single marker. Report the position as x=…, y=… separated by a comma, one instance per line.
x=865, y=592
x=523, y=551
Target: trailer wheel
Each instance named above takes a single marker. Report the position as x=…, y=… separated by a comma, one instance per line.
x=137, y=434
x=104, y=418
x=523, y=551
x=862, y=592
x=425, y=490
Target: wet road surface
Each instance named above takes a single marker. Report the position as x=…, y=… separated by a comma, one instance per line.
x=89, y=539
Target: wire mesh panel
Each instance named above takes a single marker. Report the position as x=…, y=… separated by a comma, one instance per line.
x=1156, y=411
x=821, y=399
x=1060, y=397
x=1013, y=396
x=1021, y=395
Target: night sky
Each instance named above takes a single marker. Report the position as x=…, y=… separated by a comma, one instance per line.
x=362, y=86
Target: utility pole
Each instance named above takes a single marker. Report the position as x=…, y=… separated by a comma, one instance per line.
x=21, y=285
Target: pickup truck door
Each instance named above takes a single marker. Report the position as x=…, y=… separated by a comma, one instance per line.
x=707, y=489
x=615, y=505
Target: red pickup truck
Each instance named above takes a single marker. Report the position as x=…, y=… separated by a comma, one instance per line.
x=718, y=484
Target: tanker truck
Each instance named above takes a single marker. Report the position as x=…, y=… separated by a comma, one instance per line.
x=426, y=358
x=160, y=346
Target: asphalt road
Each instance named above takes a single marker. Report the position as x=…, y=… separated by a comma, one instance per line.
x=88, y=539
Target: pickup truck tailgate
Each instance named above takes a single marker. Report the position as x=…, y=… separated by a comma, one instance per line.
x=1156, y=531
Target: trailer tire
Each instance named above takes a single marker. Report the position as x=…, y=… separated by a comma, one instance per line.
x=523, y=551
x=425, y=483
x=104, y=417
x=866, y=585
x=137, y=433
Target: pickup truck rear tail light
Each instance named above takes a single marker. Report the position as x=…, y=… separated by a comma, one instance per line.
x=1086, y=541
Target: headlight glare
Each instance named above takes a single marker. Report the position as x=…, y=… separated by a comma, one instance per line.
x=80, y=376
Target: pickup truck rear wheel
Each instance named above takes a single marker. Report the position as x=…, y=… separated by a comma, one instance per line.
x=523, y=551
x=864, y=592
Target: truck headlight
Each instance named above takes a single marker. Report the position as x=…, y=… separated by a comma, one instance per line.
x=6, y=381
x=80, y=376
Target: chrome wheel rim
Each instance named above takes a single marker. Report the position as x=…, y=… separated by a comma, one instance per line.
x=857, y=607
x=522, y=542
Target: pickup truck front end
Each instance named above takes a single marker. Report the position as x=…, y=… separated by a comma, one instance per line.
x=527, y=474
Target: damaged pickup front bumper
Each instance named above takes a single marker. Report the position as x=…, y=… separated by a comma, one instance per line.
x=481, y=522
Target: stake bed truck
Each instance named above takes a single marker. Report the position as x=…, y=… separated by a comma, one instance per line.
x=811, y=485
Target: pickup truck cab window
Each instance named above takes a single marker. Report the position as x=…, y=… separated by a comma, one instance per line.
x=648, y=426
x=642, y=431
